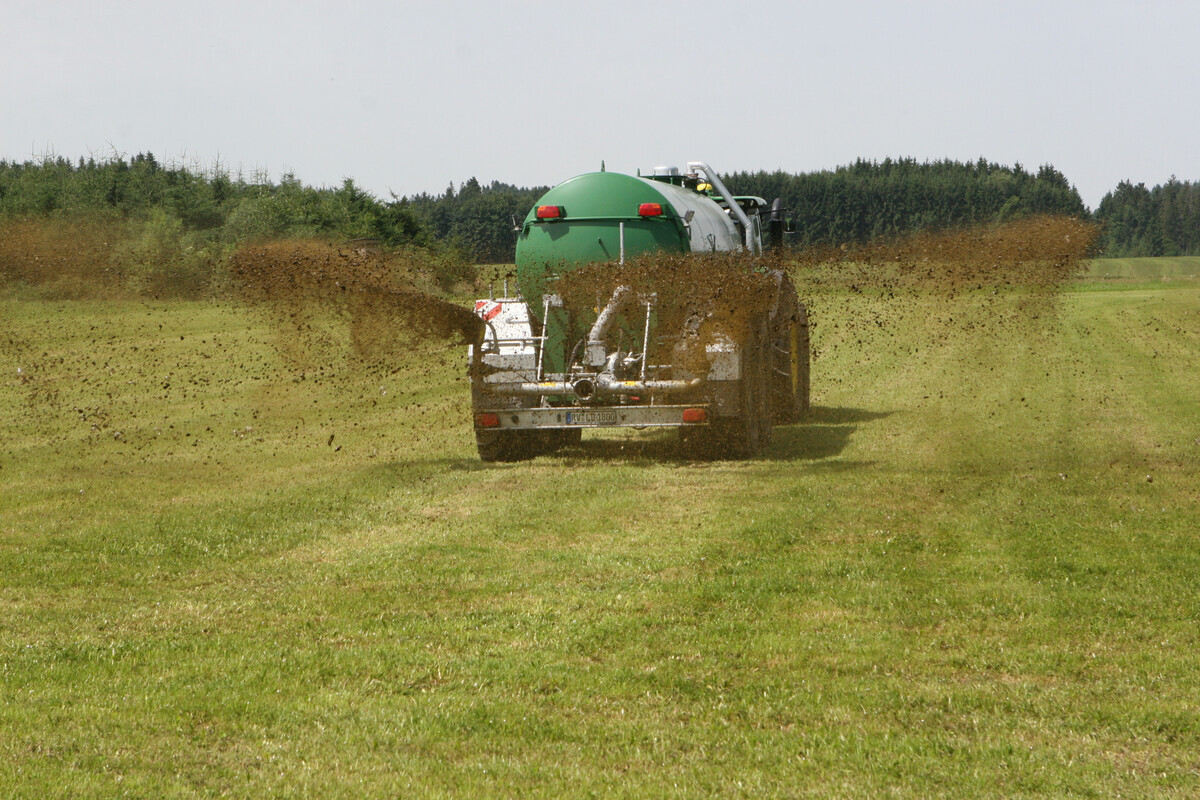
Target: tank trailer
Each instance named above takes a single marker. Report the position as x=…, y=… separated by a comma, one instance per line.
x=543, y=371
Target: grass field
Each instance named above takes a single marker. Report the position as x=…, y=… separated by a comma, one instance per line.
x=236, y=561
x=1154, y=268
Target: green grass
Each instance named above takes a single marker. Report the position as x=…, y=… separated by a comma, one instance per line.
x=1154, y=268
x=971, y=573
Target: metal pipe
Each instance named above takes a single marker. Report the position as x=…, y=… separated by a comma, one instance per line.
x=715, y=180
x=527, y=388
x=645, y=342
x=495, y=340
x=621, y=228
x=600, y=385
x=608, y=385
x=543, y=337
x=595, y=352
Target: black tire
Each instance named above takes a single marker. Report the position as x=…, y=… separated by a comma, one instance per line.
x=804, y=362
x=708, y=443
x=789, y=377
x=506, y=445
x=751, y=430
x=521, y=445
x=558, y=438
x=568, y=437
x=748, y=433
x=503, y=445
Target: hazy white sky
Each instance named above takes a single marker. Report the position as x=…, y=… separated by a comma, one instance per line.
x=406, y=97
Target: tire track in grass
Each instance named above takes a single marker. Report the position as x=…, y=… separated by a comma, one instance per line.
x=1141, y=352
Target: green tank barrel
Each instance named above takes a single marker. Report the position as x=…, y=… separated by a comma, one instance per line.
x=584, y=220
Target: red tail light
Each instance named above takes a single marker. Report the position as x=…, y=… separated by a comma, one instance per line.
x=487, y=419
x=549, y=212
x=650, y=210
x=695, y=415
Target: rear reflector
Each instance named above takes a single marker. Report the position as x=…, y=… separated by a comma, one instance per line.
x=549, y=212
x=489, y=419
x=650, y=210
x=695, y=415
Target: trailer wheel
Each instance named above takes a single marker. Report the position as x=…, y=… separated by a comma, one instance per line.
x=790, y=370
x=492, y=445
x=506, y=445
x=565, y=437
x=749, y=433
x=746, y=434
x=549, y=441
x=502, y=445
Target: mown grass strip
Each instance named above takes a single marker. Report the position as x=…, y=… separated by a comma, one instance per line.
x=971, y=572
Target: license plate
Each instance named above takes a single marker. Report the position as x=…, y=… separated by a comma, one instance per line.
x=591, y=418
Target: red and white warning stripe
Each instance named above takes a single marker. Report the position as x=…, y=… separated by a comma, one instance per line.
x=488, y=309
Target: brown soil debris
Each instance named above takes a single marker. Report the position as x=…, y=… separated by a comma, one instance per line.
x=1038, y=252
x=71, y=259
x=891, y=302
x=303, y=281
x=731, y=287
x=696, y=298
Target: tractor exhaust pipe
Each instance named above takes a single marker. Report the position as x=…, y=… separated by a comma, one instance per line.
x=777, y=224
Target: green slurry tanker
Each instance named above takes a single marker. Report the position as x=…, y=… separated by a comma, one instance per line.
x=719, y=355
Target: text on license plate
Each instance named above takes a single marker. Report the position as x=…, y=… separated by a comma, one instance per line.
x=591, y=417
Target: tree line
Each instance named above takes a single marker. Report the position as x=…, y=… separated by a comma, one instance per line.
x=220, y=206
x=850, y=204
x=869, y=199
x=171, y=230
x=212, y=212
x=479, y=220
x=1163, y=221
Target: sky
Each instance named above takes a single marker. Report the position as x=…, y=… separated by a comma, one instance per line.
x=409, y=97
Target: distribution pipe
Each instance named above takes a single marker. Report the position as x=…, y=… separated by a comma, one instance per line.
x=715, y=180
